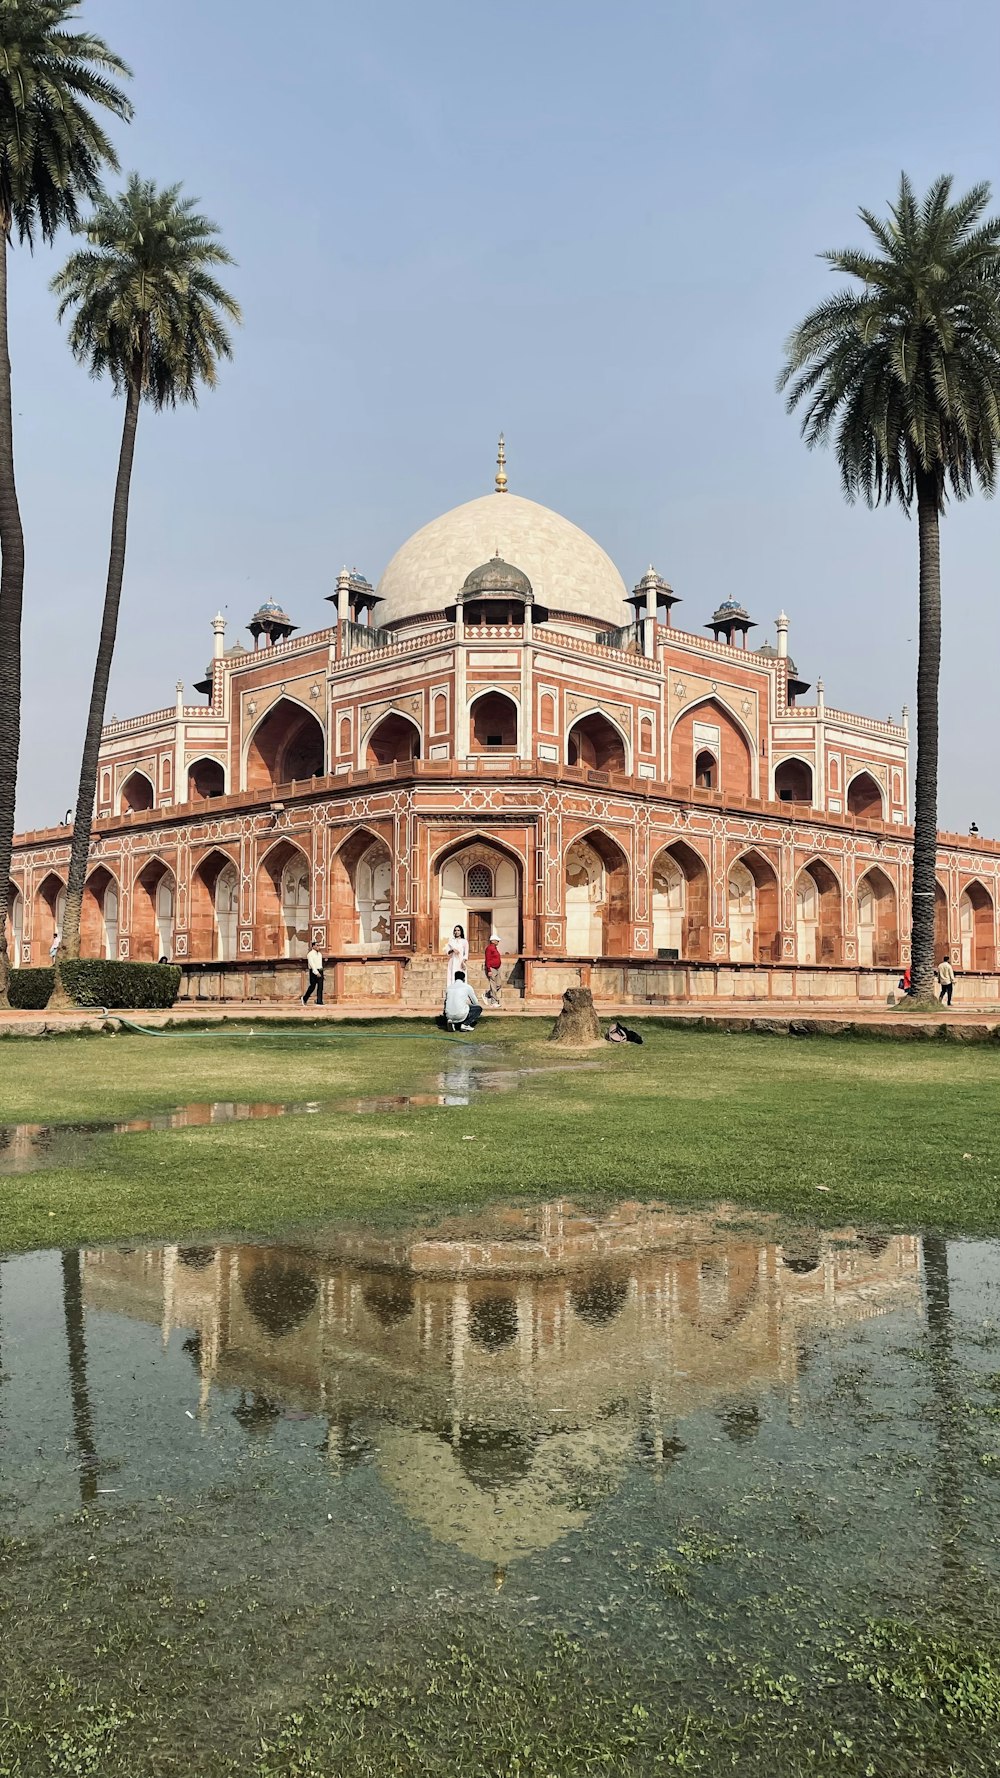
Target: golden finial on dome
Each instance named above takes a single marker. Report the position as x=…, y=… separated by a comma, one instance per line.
x=500, y=484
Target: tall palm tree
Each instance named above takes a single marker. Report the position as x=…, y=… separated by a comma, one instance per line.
x=79, y=1389
x=147, y=312
x=52, y=152
x=903, y=368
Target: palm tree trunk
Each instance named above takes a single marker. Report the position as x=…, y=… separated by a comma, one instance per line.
x=922, y=959
x=86, y=793
x=11, y=596
x=76, y=1354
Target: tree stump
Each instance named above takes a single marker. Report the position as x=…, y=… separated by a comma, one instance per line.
x=577, y=1024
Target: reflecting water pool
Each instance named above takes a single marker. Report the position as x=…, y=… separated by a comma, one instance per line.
x=737, y=1472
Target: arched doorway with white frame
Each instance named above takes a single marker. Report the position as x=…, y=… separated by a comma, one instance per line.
x=479, y=889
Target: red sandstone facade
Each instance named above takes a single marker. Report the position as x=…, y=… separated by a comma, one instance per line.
x=494, y=742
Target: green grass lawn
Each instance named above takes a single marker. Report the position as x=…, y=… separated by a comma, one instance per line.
x=900, y=1134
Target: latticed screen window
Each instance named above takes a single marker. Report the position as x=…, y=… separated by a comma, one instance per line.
x=479, y=881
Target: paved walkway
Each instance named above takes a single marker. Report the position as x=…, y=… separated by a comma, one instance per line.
x=804, y=1018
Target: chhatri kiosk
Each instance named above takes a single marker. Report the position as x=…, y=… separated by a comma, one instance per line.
x=501, y=733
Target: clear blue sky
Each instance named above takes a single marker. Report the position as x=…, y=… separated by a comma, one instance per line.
x=591, y=225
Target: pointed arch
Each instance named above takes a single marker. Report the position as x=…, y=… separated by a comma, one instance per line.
x=709, y=726
x=595, y=740
x=15, y=925
x=865, y=798
x=394, y=739
x=753, y=909
x=100, y=914
x=493, y=721
x=877, y=920
x=793, y=781
x=477, y=883
x=681, y=910
x=596, y=880
x=286, y=745
x=206, y=779
x=154, y=911
x=49, y=911
x=977, y=926
x=214, y=919
x=819, y=913
x=361, y=893
x=137, y=794
x=283, y=901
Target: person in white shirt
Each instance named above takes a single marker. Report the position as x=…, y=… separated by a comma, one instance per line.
x=457, y=950
x=54, y=946
x=462, y=1010
x=314, y=964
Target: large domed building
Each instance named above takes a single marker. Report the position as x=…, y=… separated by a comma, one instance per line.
x=499, y=733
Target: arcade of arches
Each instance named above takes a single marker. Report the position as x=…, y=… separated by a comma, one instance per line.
x=595, y=904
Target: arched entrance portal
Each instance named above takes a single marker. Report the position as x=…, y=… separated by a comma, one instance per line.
x=597, y=898
x=479, y=887
x=878, y=927
x=753, y=910
x=153, y=913
x=283, y=904
x=976, y=922
x=287, y=747
x=361, y=896
x=50, y=911
x=709, y=749
x=493, y=724
x=817, y=915
x=99, y=915
x=137, y=794
x=864, y=798
x=680, y=902
x=215, y=900
x=393, y=741
x=595, y=742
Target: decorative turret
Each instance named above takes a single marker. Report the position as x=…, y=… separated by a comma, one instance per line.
x=797, y=687
x=219, y=653
x=497, y=592
x=354, y=597
x=652, y=597
x=271, y=622
x=730, y=620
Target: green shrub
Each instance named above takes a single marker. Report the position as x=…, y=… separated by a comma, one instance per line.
x=29, y=989
x=101, y=981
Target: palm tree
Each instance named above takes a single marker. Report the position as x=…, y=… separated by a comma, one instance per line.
x=903, y=368
x=52, y=152
x=147, y=312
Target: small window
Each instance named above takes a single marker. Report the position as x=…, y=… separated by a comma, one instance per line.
x=479, y=881
x=705, y=771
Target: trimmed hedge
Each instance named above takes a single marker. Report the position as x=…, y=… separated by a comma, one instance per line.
x=98, y=981
x=101, y=981
x=29, y=989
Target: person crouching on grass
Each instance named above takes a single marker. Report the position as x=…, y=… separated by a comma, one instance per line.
x=493, y=962
x=462, y=1010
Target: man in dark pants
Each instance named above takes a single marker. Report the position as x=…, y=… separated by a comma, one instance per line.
x=314, y=964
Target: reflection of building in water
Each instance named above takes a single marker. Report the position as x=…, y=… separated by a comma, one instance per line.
x=503, y=1381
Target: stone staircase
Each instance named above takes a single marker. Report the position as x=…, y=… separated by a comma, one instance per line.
x=424, y=979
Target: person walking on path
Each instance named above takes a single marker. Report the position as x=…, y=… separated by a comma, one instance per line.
x=946, y=977
x=54, y=946
x=493, y=961
x=458, y=953
x=314, y=964
x=462, y=1010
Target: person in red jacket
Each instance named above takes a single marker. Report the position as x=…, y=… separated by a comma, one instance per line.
x=493, y=965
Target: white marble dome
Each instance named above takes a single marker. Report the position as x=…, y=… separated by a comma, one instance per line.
x=568, y=571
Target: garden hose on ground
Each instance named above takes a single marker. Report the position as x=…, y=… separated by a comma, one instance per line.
x=282, y=1031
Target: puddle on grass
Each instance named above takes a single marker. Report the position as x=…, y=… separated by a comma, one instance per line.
x=657, y=1433
x=30, y=1148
